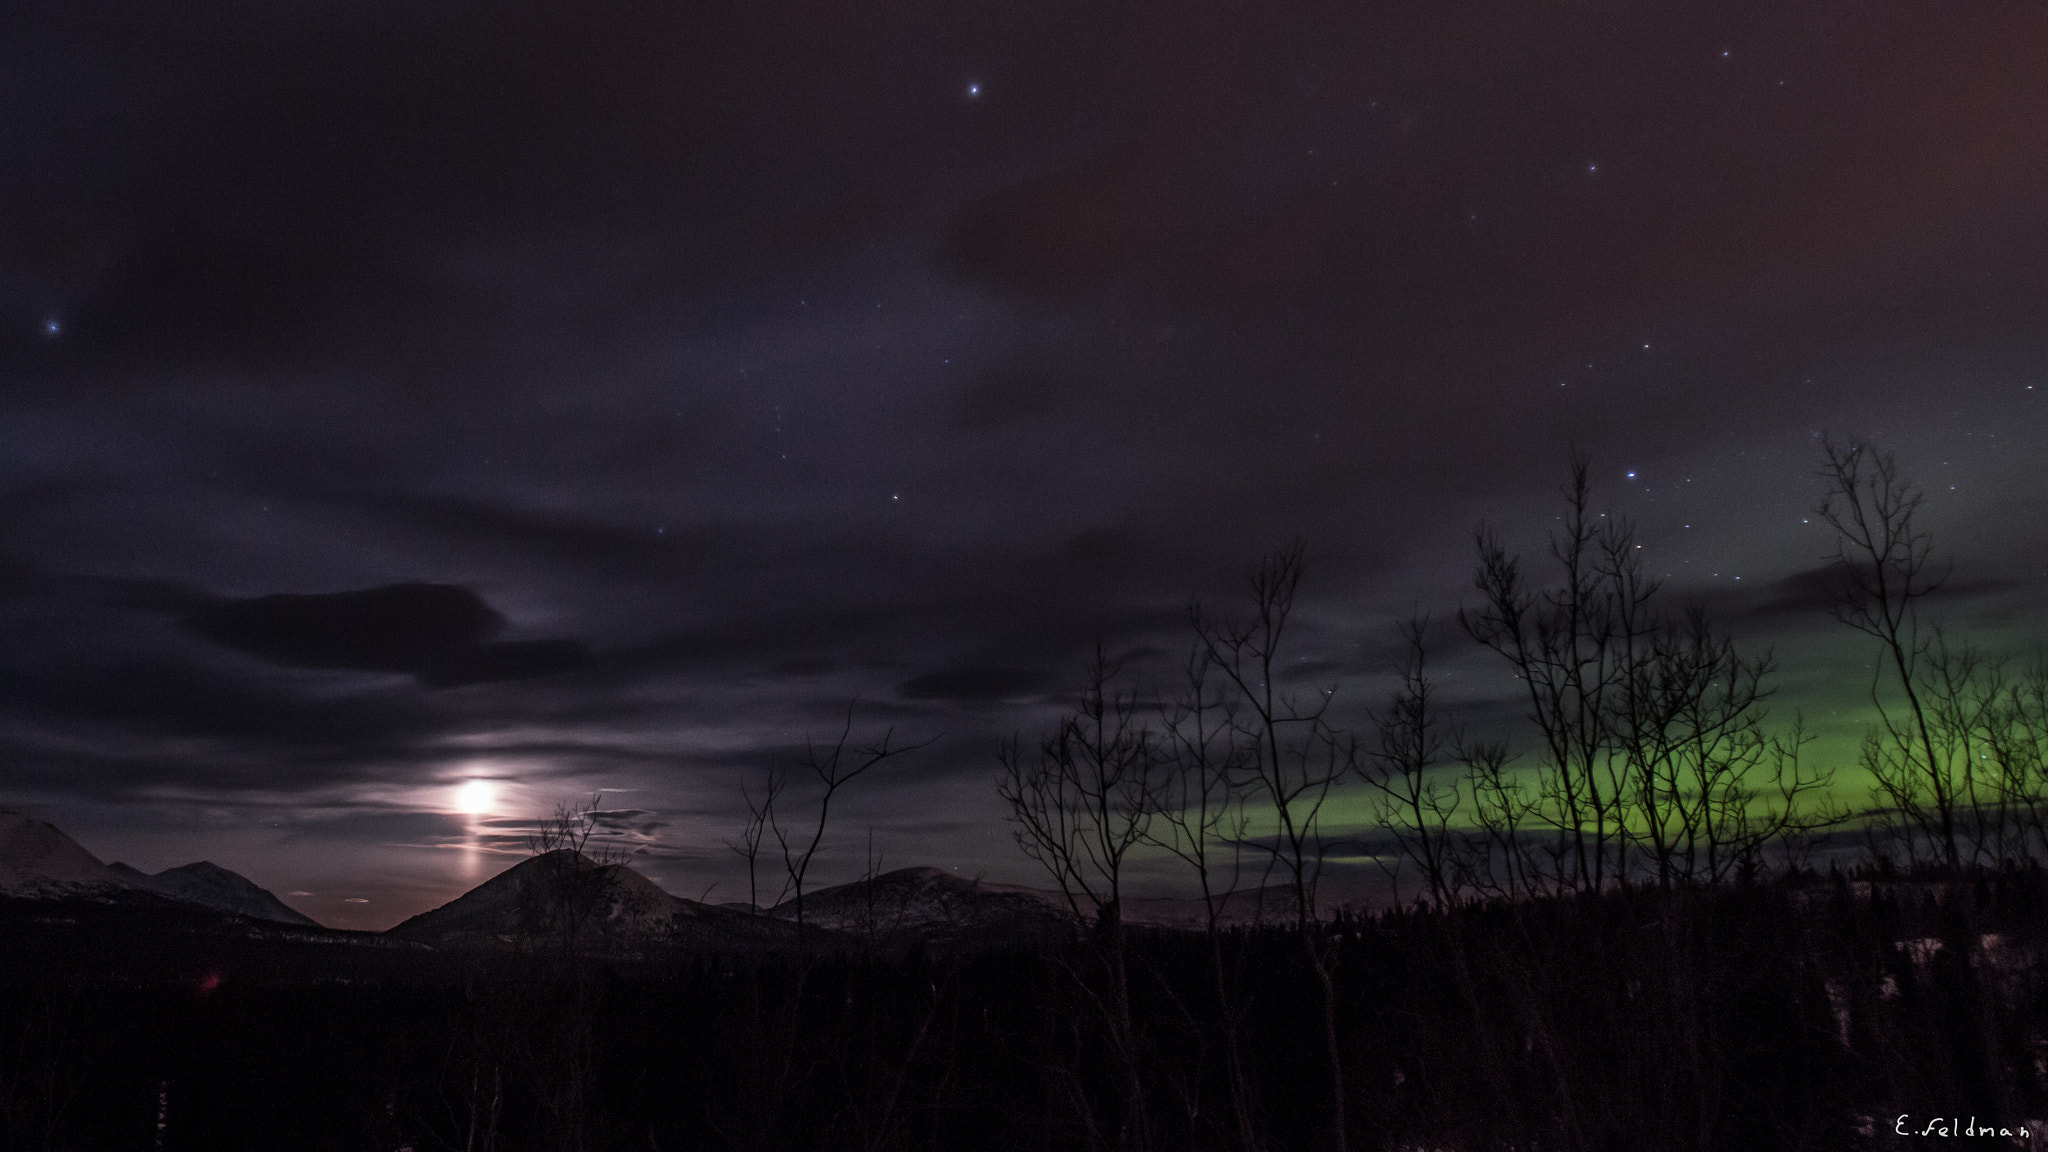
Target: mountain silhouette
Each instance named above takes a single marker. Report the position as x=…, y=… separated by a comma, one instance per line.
x=38, y=861
x=931, y=907
x=565, y=899
x=211, y=886
x=939, y=909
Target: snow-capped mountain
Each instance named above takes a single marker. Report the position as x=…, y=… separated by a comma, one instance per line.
x=37, y=860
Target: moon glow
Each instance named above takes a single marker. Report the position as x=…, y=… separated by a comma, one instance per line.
x=476, y=797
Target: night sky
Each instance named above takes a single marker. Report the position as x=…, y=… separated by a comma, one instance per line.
x=618, y=389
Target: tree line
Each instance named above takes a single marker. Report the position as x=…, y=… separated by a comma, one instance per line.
x=1652, y=760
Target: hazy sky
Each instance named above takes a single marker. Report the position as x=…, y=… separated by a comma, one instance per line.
x=722, y=363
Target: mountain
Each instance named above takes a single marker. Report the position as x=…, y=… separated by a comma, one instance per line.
x=211, y=886
x=563, y=896
x=40, y=862
x=611, y=909
x=940, y=909
x=933, y=908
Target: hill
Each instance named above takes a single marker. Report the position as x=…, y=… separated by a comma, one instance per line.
x=942, y=909
x=564, y=898
x=38, y=861
x=933, y=908
x=211, y=886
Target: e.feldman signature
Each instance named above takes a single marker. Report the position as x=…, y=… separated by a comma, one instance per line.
x=1953, y=1126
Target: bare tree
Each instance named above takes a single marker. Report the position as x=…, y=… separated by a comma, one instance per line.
x=1201, y=818
x=833, y=769
x=538, y=1021
x=775, y=1065
x=1709, y=786
x=2012, y=713
x=1202, y=821
x=1886, y=566
x=1416, y=808
x=1495, y=863
x=574, y=883
x=1294, y=758
x=1656, y=756
x=760, y=815
x=1573, y=646
x=1083, y=802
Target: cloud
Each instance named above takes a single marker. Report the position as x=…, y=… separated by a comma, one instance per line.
x=1812, y=593
x=629, y=824
x=437, y=632
x=398, y=628
x=988, y=683
x=484, y=663
x=121, y=726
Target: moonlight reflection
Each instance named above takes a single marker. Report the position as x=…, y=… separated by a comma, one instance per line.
x=475, y=799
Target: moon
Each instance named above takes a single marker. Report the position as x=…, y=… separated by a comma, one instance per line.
x=476, y=797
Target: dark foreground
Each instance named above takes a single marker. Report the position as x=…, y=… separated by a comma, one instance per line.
x=1773, y=1016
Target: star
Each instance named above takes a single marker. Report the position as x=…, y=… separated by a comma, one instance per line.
x=974, y=90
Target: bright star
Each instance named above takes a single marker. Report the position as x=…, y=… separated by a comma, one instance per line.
x=974, y=91
x=51, y=327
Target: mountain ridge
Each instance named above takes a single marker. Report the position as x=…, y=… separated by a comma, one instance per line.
x=565, y=899
x=40, y=861
x=211, y=886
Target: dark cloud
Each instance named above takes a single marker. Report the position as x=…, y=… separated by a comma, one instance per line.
x=634, y=820
x=434, y=631
x=554, y=539
x=972, y=684
x=400, y=628
x=126, y=729
x=515, y=660
x=1811, y=592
